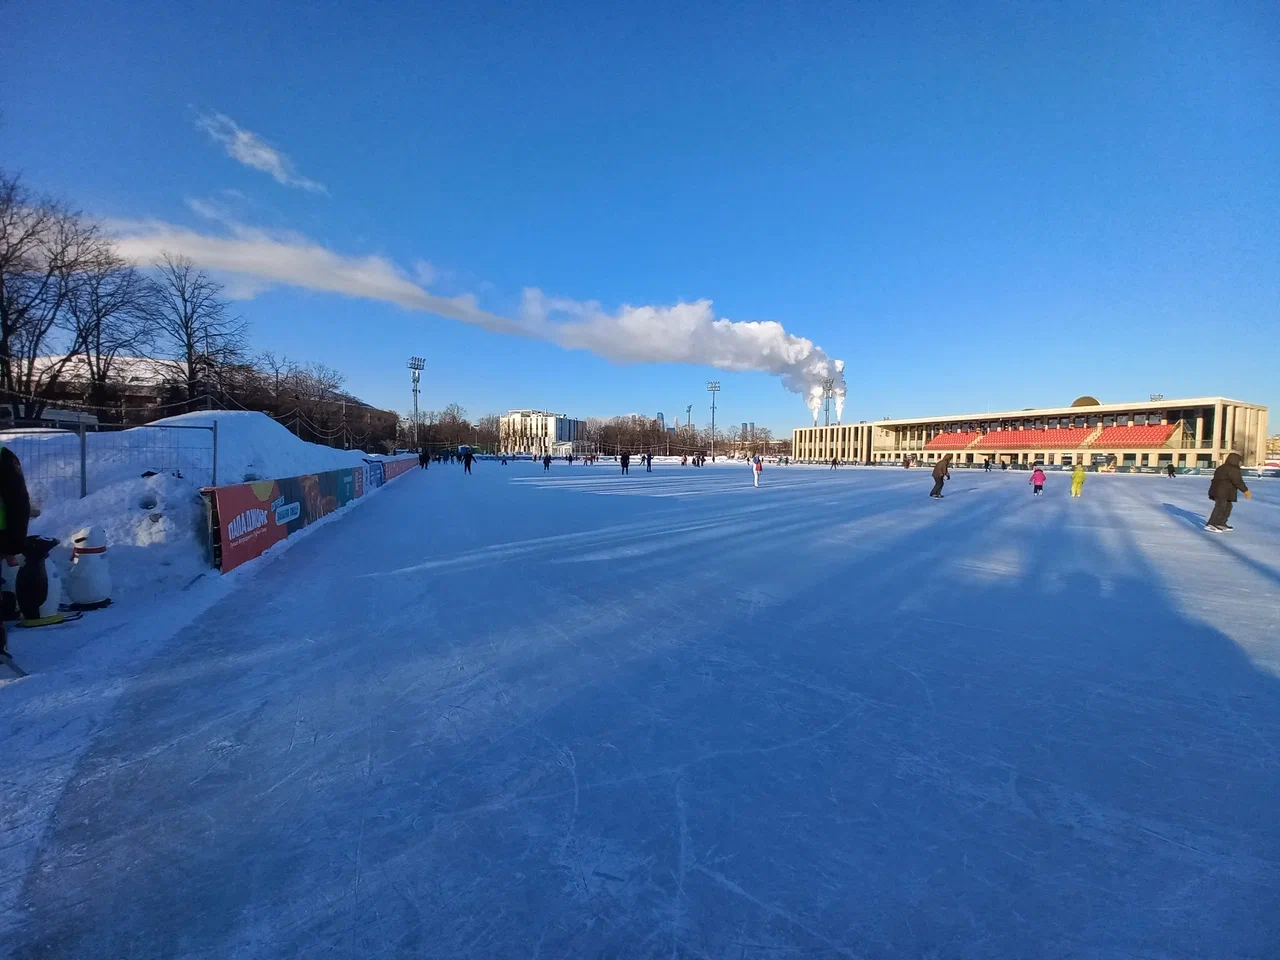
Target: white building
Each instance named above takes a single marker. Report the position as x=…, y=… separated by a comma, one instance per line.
x=538, y=432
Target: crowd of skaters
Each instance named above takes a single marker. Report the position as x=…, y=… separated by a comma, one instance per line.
x=1227, y=482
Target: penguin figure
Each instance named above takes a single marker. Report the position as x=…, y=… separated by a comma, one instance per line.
x=39, y=586
x=89, y=582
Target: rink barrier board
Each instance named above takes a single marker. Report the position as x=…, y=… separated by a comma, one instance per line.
x=246, y=519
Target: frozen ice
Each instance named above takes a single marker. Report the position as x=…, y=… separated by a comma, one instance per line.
x=670, y=715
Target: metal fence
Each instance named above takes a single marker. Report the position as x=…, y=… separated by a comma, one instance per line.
x=67, y=464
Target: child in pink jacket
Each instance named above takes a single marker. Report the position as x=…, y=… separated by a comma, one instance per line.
x=1037, y=481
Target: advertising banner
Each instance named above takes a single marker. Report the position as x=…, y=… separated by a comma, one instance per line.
x=249, y=518
x=393, y=468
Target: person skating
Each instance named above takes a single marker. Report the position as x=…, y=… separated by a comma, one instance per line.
x=1077, y=479
x=941, y=473
x=467, y=459
x=546, y=463
x=833, y=463
x=757, y=465
x=648, y=463
x=986, y=466
x=1222, y=491
x=626, y=463
x=15, y=515
x=1037, y=482
x=1170, y=471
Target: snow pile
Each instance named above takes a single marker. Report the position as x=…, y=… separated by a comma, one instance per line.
x=155, y=524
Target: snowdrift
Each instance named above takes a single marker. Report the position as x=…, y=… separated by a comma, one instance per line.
x=155, y=525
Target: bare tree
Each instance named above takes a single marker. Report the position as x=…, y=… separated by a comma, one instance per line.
x=109, y=312
x=193, y=325
x=44, y=251
x=278, y=373
x=320, y=382
x=487, y=431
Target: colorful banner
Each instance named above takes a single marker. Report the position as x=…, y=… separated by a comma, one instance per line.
x=249, y=518
x=393, y=468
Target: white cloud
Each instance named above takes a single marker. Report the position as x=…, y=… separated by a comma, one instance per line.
x=251, y=150
x=679, y=333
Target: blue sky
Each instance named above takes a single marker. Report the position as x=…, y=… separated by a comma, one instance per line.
x=975, y=206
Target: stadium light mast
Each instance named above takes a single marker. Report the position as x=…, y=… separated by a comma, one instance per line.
x=827, y=384
x=416, y=364
x=713, y=387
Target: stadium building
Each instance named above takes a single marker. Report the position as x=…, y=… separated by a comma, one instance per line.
x=1186, y=433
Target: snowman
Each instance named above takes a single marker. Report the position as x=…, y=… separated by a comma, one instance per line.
x=88, y=585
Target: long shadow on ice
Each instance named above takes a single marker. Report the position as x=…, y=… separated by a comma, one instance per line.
x=984, y=732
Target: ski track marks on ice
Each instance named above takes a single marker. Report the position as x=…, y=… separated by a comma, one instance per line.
x=669, y=715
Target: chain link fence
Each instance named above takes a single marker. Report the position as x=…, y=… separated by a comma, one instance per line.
x=65, y=464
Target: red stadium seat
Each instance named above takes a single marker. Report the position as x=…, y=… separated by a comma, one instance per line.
x=951, y=441
x=1156, y=435
x=1061, y=439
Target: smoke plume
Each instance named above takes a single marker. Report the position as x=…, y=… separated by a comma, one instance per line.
x=680, y=333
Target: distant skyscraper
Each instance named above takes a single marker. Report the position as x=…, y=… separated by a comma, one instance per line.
x=662, y=424
x=744, y=427
x=753, y=428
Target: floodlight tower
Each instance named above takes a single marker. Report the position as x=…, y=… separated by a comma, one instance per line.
x=416, y=364
x=713, y=387
x=827, y=384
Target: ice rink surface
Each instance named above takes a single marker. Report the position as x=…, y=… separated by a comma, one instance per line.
x=668, y=715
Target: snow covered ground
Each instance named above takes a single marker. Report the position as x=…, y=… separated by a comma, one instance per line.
x=580, y=715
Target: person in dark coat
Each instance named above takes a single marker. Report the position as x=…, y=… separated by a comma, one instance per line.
x=1172, y=473
x=941, y=473
x=467, y=459
x=834, y=461
x=423, y=459
x=1222, y=491
x=15, y=515
x=626, y=463
x=546, y=462
x=648, y=463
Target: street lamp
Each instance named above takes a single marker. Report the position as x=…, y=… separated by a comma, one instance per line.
x=713, y=387
x=416, y=364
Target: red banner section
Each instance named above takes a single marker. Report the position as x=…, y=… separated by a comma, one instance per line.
x=393, y=468
x=248, y=518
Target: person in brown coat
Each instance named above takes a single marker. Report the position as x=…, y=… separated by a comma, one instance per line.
x=1222, y=491
x=941, y=473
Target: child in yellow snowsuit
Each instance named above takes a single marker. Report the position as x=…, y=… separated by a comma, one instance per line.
x=1077, y=479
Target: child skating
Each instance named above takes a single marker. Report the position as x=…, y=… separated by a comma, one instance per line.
x=1077, y=479
x=1037, y=482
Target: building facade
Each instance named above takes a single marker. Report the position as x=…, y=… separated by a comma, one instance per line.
x=1197, y=432
x=537, y=432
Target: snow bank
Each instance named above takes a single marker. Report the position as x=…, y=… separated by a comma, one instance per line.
x=155, y=525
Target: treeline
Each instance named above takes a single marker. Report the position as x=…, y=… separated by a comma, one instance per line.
x=637, y=434
x=449, y=428
x=82, y=327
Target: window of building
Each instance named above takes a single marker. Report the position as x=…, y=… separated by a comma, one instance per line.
x=1108, y=421
x=1182, y=459
x=1207, y=419
x=1078, y=422
x=1053, y=423
x=1146, y=459
x=1130, y=459
x=1204, y=460
x=1165, y=458
x=1139, y=419
x=1095, y=421
x=1066, y=460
